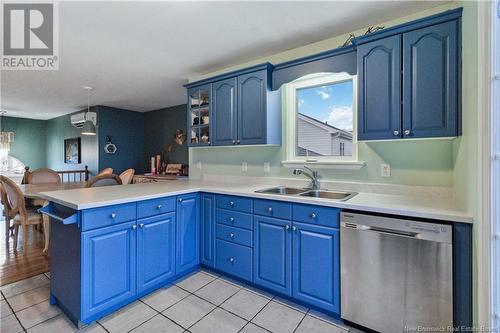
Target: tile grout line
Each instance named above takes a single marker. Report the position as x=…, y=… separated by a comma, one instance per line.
x=301, y=320
x=250, y=321
x=13, y=312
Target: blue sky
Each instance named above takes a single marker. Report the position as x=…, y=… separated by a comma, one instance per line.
x=330, y=103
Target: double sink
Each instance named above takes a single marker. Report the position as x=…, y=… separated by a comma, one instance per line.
x=324, y=194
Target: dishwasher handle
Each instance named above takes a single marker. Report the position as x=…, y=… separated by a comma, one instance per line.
x=389, y=231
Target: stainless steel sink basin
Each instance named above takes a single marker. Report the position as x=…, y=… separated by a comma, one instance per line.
x=283, y=190
x=339, y=196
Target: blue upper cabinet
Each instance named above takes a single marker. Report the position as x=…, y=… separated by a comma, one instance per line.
x=409, y=80
x=244, y=109
x=224, y=112
x=379, y=89
x=155, y=251
x=199, y=114
x=188, y=232
x=430, y=81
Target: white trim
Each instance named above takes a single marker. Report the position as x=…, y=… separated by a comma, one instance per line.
x=290, y=121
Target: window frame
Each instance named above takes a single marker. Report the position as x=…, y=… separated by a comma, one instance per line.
x=290, y=111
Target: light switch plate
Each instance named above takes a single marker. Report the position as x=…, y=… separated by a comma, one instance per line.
x=198, y=165
x=267, y=167
x=385, y=170
x=244, y=166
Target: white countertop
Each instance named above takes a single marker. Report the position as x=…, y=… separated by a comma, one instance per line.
x=411, y=206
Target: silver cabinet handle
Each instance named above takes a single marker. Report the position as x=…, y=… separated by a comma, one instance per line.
x=231, y=219
x=180, y=199
x=141, y=225
x=287, y=226
x=231, y=235
x=134, y=227
x=234, y=142
x=270, y=209
x=231, y=260
x=113, y=215
x=313, y=215
x=231, y=203
x=396, y=132
x=238, y=142
x=294, y=228
x=407, y=132
x=158, y=207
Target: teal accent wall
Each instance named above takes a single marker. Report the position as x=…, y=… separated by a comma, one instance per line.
x=126, y=129
x=29, y=140
x=59, y=129
x=159, y=131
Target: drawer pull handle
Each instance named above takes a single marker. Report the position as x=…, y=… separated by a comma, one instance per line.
x=141, y=225
x=231, y=219
x=180, y=199
x=231, y=235
x=407, y=132
x=270, y=209
x=287, y=226
x=134, y=227
x=313, y=215
x=231, y=203
x=113, y=215
x=294, y=228
x=158, y=207
x=396, y=132
x=231, y=260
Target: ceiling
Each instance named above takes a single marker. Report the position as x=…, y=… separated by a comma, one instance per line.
x=137, y=55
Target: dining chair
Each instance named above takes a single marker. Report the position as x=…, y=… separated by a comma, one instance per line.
x=6, y=212
x=17, y=207
x=127, y=176
x=42, y=176
x=104, y=180
x=107, y=171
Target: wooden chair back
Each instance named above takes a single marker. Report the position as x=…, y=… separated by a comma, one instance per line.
x=107, y=171
x=127, y=176
x=42, y=176
x=104, y=180
x=14, y=198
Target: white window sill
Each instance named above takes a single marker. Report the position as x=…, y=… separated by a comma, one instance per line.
x=349, y=165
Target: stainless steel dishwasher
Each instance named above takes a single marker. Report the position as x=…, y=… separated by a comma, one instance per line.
x=396, y=274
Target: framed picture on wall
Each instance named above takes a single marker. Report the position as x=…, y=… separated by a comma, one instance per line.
x=72, y=151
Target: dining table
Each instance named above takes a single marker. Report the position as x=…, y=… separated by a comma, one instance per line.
x=32, y=192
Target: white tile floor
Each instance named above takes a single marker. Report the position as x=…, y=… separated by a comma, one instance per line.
x=203, y=302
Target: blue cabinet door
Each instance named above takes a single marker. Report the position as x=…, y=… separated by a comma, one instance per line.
x=379, y=89
x=316, y=266
x=430, y=81
x=155, y=250
x=224, y=112
x=208, y=229
x=252, y=89
x=108, y=267
x=188, y=232
x=272, y=254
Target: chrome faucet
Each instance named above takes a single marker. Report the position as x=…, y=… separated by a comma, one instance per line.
x=312, y=174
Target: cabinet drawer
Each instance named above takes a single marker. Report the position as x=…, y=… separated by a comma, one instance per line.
x=106, y=216
x=234, y=235
x=326, y=216
x=234, y=259
x=271, y=208
x=234, y=203
x=154, y=207
x=234, y=219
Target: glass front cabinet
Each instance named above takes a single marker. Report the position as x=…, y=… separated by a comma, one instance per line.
x=199, y=104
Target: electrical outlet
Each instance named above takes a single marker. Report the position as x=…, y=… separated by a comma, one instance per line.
x=198, y=165
x=267, y=167
x=385, y=170
x=244, y=166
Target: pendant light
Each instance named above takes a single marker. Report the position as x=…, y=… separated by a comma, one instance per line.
x=88, y=126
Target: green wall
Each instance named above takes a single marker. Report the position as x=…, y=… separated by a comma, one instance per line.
x=160, y=127
x=29, y=140
x=419, y=162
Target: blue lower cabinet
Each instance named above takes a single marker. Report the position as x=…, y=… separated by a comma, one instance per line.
x=207, y=229
x=272, y=254
x=188, y=232
x=316, y=266
x=234, y=259
x=109, y=268
x=155, y=251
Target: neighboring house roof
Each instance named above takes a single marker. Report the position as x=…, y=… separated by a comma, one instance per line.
x=327, y=127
